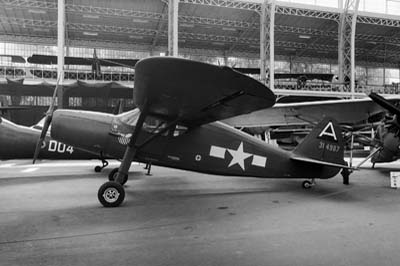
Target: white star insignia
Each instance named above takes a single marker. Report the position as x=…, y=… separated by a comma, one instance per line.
x=238, y=156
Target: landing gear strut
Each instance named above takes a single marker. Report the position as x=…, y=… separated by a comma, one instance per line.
x=113, y=175
x=104, y=163
x=148, y=168
x=112, y=194
x=307, y=184
x=346, y=174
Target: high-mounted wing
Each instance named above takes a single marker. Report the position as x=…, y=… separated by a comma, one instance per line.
x=52, y=60
x=345, y=111
x=196, y=93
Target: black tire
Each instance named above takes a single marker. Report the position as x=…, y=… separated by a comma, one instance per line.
x=113, y=174
x=111, y=194
x=306, y=184
x=97, y=169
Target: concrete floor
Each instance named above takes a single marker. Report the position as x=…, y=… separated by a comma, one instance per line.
x=49, y=215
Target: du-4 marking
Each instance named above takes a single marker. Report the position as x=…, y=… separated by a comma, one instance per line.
x=238, y=156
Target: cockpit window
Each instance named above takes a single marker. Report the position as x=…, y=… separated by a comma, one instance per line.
x=154, y=125
x=179, y=130
x=130, y=118
x=151, y=124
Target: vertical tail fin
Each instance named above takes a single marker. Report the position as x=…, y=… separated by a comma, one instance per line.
x=324, y=145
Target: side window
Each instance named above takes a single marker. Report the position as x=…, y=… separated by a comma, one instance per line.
x=154, y=125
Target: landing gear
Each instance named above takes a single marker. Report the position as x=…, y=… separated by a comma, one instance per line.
x=148, y=168
x=345, y=174
x=104, y=163
x=113, y=175
x=308, y=184
x=111, y=194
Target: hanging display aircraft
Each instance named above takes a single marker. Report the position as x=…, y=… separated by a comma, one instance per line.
x=94, y=62
x=178, y=103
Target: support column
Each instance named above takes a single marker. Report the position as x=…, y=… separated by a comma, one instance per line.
x=173, y=27
x=346, y=52
x=267, y=48
x=60, y=50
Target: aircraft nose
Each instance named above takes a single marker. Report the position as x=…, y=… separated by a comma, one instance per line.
x=81, y=129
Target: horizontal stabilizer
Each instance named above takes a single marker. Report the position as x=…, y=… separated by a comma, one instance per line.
x=308, y=160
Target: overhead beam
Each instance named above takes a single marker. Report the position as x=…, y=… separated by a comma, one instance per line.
x=346, y=51
x=215, y=22
x=160, y=26
x=267, y=43
x=60, y=50
x=173, y=7
x=236, y=40
x=280, y=9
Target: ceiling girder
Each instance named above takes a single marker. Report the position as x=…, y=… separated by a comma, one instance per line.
x=296, y=11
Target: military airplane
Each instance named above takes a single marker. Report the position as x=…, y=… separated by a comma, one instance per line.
x=18, y=142
x=175, y=125
x=387, y=138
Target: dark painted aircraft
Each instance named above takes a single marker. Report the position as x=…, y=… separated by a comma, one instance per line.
x=94, y=62
x=179, y=102
x=18, y=142
x=387, y=138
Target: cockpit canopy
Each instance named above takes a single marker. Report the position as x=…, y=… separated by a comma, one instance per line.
x=151, y=124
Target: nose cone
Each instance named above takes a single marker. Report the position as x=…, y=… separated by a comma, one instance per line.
x=81, y=129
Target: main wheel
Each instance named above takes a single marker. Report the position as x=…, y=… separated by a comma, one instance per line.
x=113, y=175
x=97, y=169
x=111, y=194
x=307, y=184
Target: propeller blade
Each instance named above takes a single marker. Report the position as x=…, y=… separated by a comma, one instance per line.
x=384, y=103
x=41, y=138
x=47, y=122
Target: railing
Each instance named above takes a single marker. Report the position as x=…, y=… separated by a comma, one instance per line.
x=37, y=73
x=337, y=87
x=281, y=87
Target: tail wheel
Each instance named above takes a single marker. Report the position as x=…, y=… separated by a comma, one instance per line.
x=307, y=184
x=113, y=175
x=111, y=194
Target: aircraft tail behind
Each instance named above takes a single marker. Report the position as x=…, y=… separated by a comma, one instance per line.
x=324, y=145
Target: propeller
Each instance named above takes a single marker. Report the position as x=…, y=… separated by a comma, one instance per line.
x=47, y=121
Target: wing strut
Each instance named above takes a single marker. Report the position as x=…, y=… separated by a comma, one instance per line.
x=368, y=157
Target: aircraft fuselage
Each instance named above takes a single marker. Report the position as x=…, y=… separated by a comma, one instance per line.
x=18, y=142
x=213, y=148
